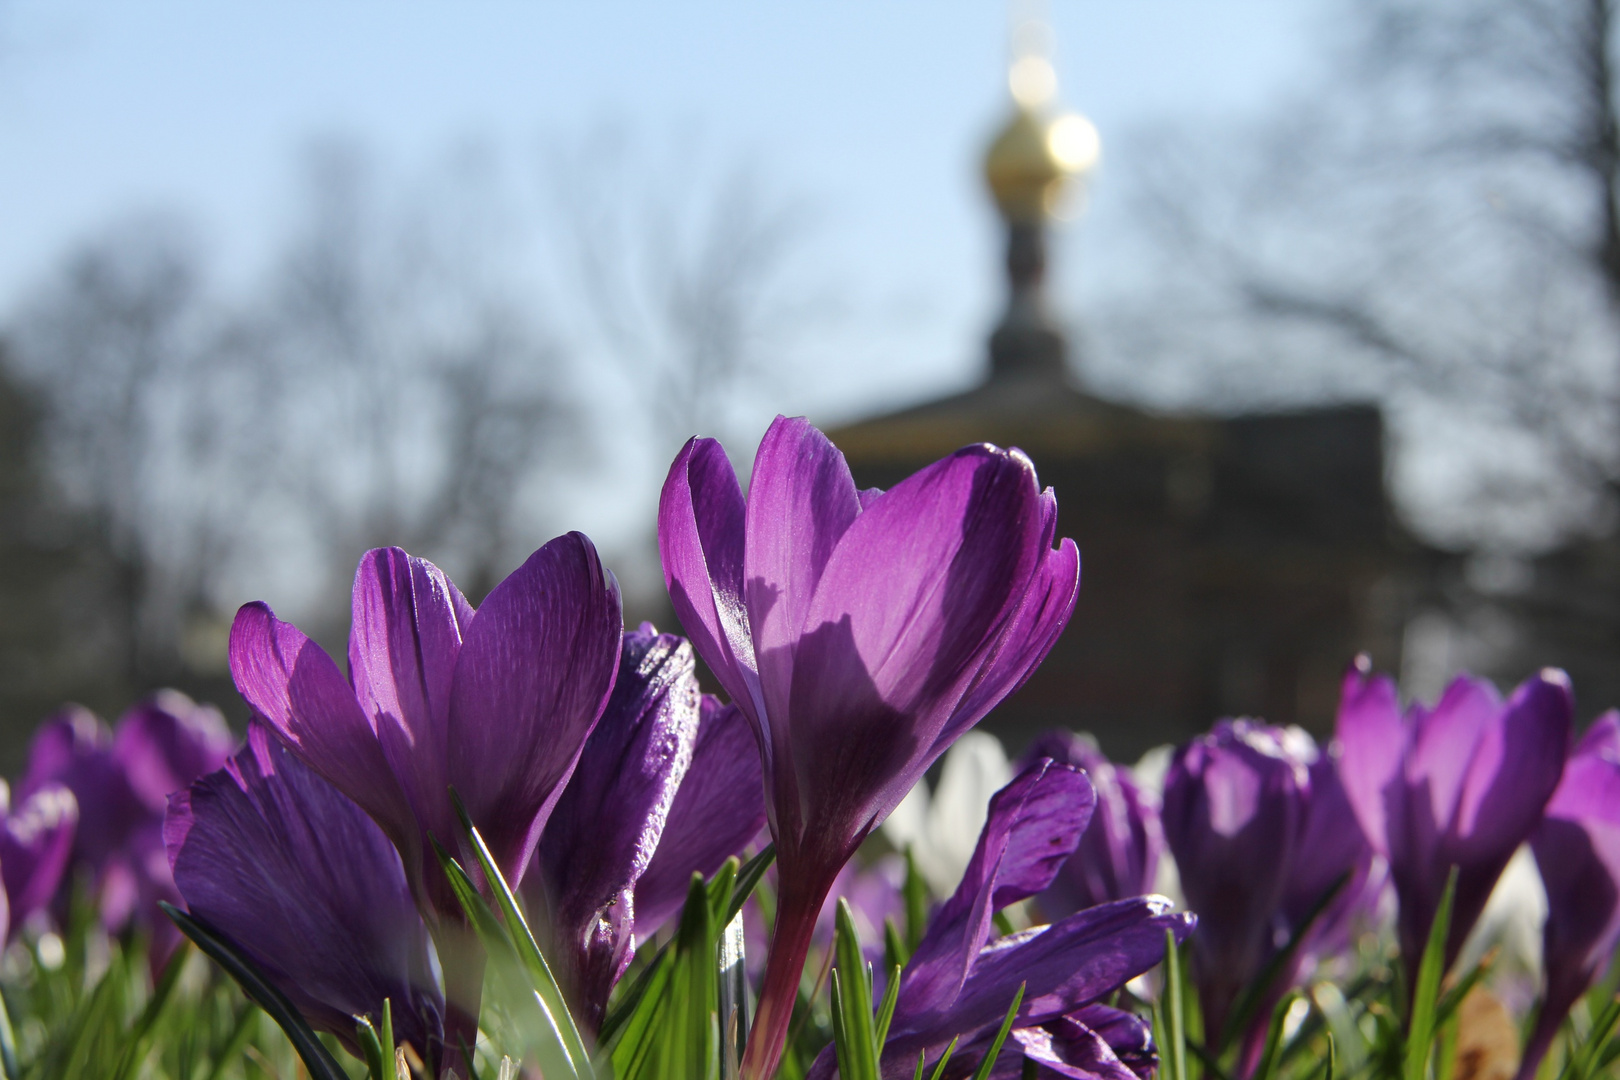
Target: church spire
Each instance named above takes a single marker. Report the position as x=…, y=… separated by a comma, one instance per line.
x=1028, y=166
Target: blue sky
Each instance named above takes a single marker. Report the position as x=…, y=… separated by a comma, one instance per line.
x=873, y=113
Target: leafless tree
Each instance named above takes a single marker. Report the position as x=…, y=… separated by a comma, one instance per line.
x=385, y=386
x=686, y=267
x=1437, y=225
x=428, y=395
x=116, y=349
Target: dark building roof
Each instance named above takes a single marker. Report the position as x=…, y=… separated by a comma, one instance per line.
x=1230, y=565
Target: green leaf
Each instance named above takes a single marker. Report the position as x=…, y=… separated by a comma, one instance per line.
x=8, y=1045
x=1175, y=1016
x=915, y=892
x=388, y=1027
x=944, y=1059
x=989, y=1062
x=1420, y=1032
x=372, y=1049
x=891, y=998
x=316, y=1058
x=748, y=878
x=548, y=1041
x=853, y=1014
x=895, y=953
x=1271, y=1056
x=733, y=989
x=1586, y=1056
x=1453, y=998
x=673, y=1032
x=545, y=984
x=140, y=1035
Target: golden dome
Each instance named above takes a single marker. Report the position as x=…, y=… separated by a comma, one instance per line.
x=1031, y=157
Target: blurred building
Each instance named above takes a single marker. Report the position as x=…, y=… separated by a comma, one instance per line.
x=1231, y=565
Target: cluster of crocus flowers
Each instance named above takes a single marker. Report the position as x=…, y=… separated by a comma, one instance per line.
x=120, y=779
x=860, y=633
x=858, y=636
x=628, y=782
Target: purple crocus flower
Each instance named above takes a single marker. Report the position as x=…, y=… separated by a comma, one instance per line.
x=121, y=780
x=859, y=632
x=1577, y=849
x=1119, y=852
x=36, y=840
x=1461, y=784
x=668, y=785
x=719, y=810
x=959, y=983
x=1261, y=832
x=1234, y=804
x=605, y=827
x=308, y=887
x=496, y=703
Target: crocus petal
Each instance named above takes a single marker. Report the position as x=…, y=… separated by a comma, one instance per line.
x=271, y=855
x=1513, y=764
x=1032, y=828
x=535, y=670
x=1577, y=849
x=908, y=609
x=718, y=811
x=1331, y=844
x=293, y=685
x=801, y=499
x=1233, y=808
x=1603, y=736
x=168, y=741
x=1063, y=967
x=1066, y=1048
x=1372, y=741
x=1126, y=1034
x=702, y=531
x=1119, y=851
x=403, y=645
x=35, y=843
x=1042, y=616
x=606, y=825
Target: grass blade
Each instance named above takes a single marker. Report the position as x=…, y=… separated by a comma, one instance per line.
x=1271, y=1057
x=528, y=950
x=387, y=1032
x=989, y=1062
x=852, y=977
x=1426, y=994
x=498, y=942
x=752, y=872
x=372, y=1049
x=1175, y=1017
x=316, y=1058
x=733, y=964
x=891, y=998
x=944, y=1059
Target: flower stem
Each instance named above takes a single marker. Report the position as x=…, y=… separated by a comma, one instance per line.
x=790, y=944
